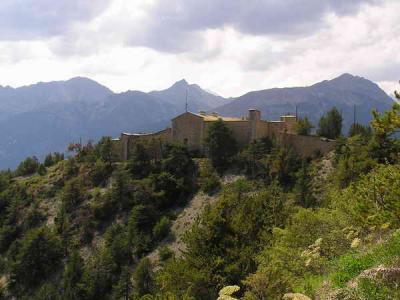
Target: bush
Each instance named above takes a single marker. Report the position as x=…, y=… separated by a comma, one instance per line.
x=100, y=173
x=42, y=170
x=161, y=229
x=71, y=167
x=48, y=160
x=28, y=167
x=103, y=207
x=144, y=277
x=139, y=164
x=8, y=233
x=303, y=126
x=352, y=264
x=73, y=194
x=165, y=253
x=208, y=179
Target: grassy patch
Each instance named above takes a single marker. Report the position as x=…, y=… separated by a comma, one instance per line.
x=309, y=284
x=352, y=264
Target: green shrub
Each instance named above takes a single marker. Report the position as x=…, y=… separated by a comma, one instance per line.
x=161, y=229
x=208, y=179
x=165, y=253
x=352, y=264
x=28, y=167
x=42, y=170
x=349, y=266
x=8, y=234
x=143, y=277
x=100, y=173
x=73, y=193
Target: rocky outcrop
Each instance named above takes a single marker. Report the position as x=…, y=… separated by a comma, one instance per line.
x=295, y=296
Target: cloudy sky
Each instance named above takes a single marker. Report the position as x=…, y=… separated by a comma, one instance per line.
x=228, y=46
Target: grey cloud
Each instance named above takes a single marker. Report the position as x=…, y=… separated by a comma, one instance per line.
x=34, y=19
x=172, y=25
x=386, y=71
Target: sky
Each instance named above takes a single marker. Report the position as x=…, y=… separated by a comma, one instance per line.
x=227, y=46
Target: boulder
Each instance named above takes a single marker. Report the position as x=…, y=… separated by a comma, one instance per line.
x=295, y=296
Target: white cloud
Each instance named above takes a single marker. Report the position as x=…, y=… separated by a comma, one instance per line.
x=126, y=46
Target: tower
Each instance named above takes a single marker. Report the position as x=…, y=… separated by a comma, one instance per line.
x=254, y=118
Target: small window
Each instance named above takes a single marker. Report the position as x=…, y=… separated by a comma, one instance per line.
x=185, y=141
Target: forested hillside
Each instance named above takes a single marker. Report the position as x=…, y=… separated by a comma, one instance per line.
x=279, y=226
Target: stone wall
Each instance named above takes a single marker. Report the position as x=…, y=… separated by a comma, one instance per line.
x=154, y=142
x=188, y=129
x=240, y=130
x=306, y=146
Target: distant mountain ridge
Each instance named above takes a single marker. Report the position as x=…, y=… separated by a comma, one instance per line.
x=35, y=96
x=44, y=117
x=345, y=92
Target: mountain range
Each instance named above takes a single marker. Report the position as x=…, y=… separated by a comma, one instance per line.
x=44, y=117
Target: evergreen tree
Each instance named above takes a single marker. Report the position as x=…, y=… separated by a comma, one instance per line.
x=48, y=160
x=139, y=228
x=384, y=146
x=139, y=164
x=73, y=194
x=42, y=170
x=330, y=124
x=72, y=276
x=303, y=126
x=358, y=129
x=302, y=188
x=28, y=167
x=123, y=289
x=144, y=277
x=221, y=145
x=105, y=151
x=38, y=255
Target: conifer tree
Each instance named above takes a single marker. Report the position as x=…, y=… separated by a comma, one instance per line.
x=221, y=145
x=72, y=276
x=330, y=124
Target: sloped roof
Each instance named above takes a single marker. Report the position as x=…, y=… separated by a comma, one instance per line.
x=212, y=118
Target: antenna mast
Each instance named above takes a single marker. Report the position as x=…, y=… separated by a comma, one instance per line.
x=186, y=104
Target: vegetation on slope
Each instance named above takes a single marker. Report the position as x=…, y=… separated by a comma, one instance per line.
x=83, y=228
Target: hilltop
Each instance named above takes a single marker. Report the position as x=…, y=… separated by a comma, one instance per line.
x=45, y=117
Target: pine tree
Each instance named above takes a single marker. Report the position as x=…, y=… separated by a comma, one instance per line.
x=330, y=124
x=72, y=276
x=144, y=277
x=221, y=145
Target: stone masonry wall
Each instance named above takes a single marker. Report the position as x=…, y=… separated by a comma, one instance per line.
x=188, y=129
x=153, y=141
x=306, y=146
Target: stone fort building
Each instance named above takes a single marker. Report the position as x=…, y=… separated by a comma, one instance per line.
x=190, y=129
